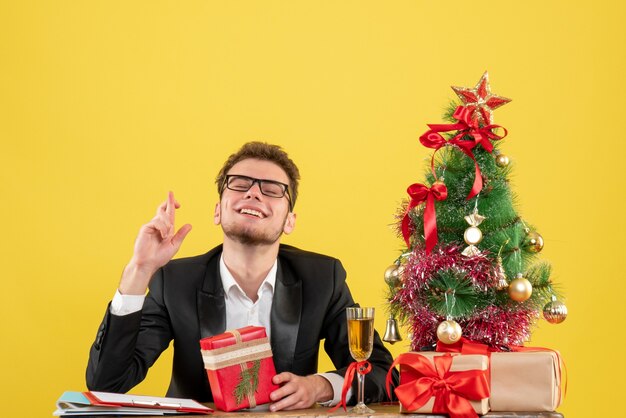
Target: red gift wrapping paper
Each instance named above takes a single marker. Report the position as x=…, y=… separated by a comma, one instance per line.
x=228, y=355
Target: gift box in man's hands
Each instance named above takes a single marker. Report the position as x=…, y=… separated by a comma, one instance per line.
x=240, y=368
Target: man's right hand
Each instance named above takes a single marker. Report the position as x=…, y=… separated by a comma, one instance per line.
x=155, y=245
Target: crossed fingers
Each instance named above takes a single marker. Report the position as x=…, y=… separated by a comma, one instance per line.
x=163, y=221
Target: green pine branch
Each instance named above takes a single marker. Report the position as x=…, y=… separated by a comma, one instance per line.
x=452, y=294
x=539, y=276
x=248, y=382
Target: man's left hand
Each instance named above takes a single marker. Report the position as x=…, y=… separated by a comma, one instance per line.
x=299, y=392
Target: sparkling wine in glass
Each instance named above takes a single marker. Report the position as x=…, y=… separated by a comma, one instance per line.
x=361, y=342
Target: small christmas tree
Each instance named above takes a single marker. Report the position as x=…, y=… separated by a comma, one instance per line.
x=470, y=264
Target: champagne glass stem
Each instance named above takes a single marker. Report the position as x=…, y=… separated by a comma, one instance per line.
x=361, y=390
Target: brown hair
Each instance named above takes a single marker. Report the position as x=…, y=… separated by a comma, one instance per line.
x=267, y=152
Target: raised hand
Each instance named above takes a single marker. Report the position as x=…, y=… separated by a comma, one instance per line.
x=155, y=245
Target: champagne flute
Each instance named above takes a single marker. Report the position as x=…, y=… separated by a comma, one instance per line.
x=361, y=342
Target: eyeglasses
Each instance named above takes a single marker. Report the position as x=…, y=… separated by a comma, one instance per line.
x=269, y=188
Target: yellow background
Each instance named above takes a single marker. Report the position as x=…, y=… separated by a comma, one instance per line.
x=107, y=105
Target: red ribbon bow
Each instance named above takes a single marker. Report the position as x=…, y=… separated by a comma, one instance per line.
x=420, y=193
x=360, y=367
x=452, y=390
x=465, y=126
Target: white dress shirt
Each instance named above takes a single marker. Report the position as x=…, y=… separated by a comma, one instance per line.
x=241, y=311
x=237, y=303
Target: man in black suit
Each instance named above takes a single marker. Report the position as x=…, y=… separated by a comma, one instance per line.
x=251, y=279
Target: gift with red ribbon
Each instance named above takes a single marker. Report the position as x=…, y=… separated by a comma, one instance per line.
x=240, y=368
x=448, y=384
x=522, y=378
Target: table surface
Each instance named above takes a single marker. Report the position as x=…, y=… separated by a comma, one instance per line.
x=381, y=410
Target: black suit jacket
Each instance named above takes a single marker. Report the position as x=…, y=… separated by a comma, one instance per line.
x=185, y=303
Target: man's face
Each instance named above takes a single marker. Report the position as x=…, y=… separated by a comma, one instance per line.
x=251, y=217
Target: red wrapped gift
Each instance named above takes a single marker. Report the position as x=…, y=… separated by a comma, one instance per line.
x=457, y=384
x=240, y=368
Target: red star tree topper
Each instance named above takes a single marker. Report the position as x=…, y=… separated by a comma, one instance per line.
x=480, y=100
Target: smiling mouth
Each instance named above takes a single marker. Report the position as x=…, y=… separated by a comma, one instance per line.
x=252, y=212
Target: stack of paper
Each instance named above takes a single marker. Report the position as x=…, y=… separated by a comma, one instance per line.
x=103, y=403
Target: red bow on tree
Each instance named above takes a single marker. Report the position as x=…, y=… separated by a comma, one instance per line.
x=452, y=390
x=420, y=193
x=465, y=126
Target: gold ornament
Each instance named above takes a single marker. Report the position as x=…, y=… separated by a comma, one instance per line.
x=502, y=160
x=533, y=242
x=393, y=275
x=520, y=289
x=501, y=275
x=392, y=334
x=473, y=235
x=555, y=311
x=480, y=101
x=449, y=332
